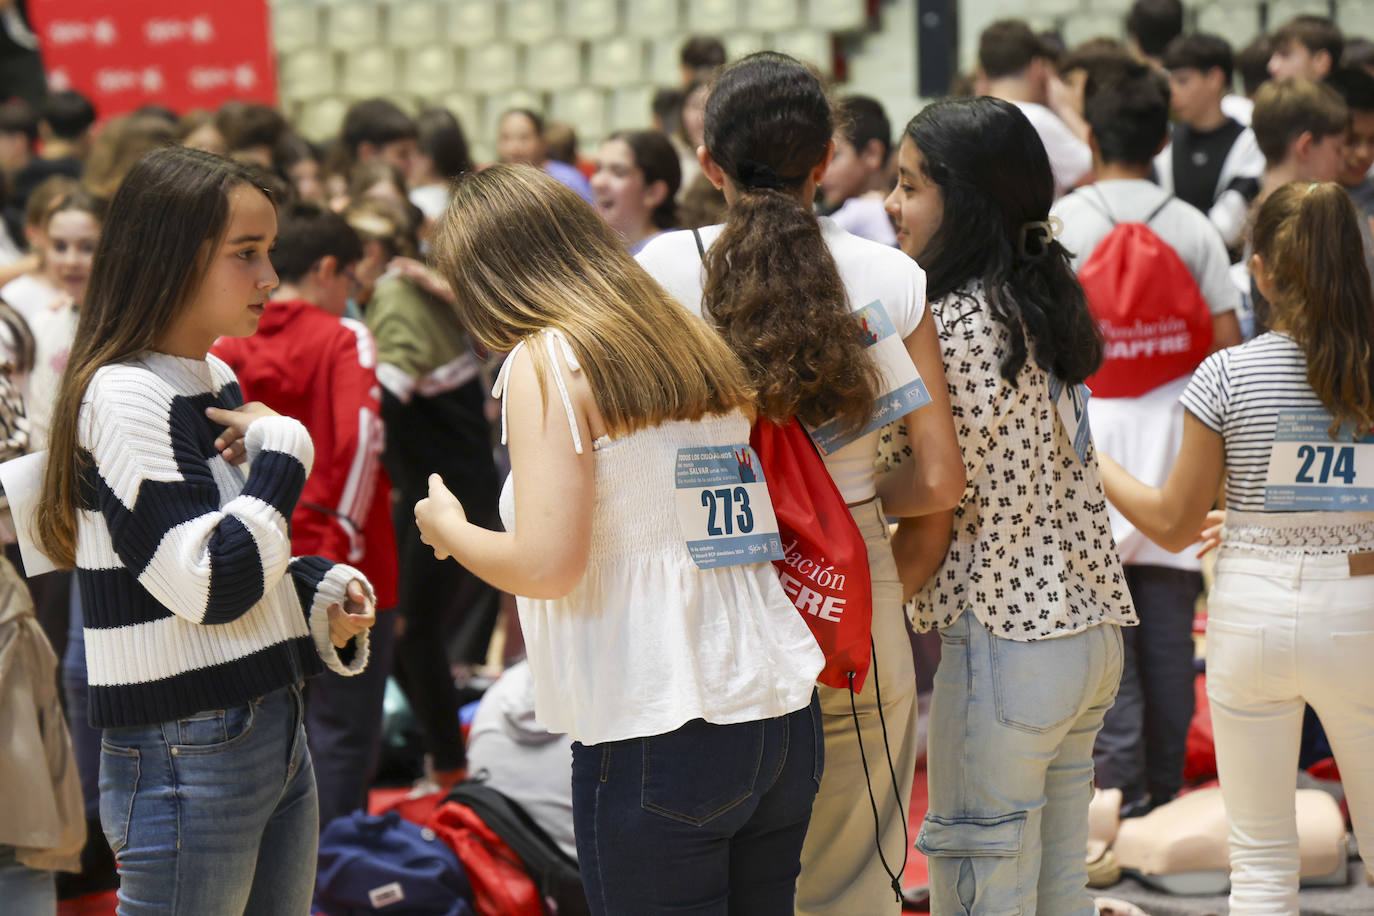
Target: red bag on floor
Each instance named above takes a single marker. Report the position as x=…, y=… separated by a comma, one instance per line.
x=497, y=875
x=1200, y=755
x=824, y=569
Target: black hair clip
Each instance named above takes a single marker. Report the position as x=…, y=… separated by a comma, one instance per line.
x=1036, y=237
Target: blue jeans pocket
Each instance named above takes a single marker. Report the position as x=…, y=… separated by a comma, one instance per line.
x=1038, y=686
x=211, y=730
x=700, y=771
x=119, y=774
x=974, y=863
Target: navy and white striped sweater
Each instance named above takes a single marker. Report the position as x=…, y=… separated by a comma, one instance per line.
x=191, y=597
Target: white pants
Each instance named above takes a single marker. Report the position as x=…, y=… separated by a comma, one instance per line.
x=1281, y=633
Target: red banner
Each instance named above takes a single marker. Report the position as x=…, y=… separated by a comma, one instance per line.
x=183, y=54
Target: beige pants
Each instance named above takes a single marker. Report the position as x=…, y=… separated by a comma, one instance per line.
x=841, y=874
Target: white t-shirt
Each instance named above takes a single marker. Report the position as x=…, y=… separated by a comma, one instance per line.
x=29, y=295
x=1238, y=108
x=432, y=199
x=1144, y=433
x=1231, y=200
x=53, y=329
x=869, y=271
x=1070, y=157
x=9, y=252
x=866, y=218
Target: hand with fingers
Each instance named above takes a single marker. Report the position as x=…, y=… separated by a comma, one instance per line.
x=424, y=276
x=230, y=443
x=437, y=515
x=1210, y=534
x=352, y=617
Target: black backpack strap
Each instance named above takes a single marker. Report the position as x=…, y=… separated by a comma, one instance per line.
x=1105, y=210
x=510, y=822
x=1155, y=212
x=701, y=249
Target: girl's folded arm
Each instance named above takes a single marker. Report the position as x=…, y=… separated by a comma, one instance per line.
x=206, y=562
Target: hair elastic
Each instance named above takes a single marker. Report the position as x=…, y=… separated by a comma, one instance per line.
x=758, y=175
x=1048, y=228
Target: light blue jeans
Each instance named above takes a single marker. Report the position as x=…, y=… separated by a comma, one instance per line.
x=215, y=813
x=23, y=889
x=1012, y=726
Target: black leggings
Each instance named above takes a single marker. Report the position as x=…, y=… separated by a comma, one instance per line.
x=443, y=605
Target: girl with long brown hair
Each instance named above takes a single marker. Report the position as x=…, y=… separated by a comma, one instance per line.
x=788, y=293
x=686, y=683
x=199, y=624
x=1285, y=421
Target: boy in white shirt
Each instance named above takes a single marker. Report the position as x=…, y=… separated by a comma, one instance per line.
x=1212, y=161
x=855, y=184
x=1356, y=87
x=1016, y=67
x=1150, y=26
x=1307, y=47
x=1140, y=748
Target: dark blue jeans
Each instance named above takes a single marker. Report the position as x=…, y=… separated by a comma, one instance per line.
x=707, y=819
x=1144, y=737
x=343, y=725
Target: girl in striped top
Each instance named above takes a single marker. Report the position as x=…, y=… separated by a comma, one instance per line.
x=1285, y=420
x=171, y=498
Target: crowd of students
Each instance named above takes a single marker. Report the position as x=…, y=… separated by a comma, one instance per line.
x=261, y=369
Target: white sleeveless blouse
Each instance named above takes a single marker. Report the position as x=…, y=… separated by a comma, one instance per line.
x=647, y=641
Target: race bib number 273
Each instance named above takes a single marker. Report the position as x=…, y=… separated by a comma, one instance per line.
x=724, y=507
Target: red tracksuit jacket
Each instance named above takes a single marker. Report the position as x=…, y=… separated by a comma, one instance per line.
x=305, y=363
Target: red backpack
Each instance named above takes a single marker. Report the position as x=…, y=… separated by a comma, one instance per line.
x=500, y=884
x=1155, y=324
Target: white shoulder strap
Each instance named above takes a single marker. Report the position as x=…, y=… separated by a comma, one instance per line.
x=555, y=343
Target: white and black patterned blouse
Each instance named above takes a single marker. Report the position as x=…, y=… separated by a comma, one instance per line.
x=1031, y=552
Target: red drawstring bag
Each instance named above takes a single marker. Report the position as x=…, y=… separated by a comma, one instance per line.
x=500, y=884
x=824, y=569
x=1155, y=324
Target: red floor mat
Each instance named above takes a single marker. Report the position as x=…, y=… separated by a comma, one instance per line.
x=90, y=905
x=916, y=871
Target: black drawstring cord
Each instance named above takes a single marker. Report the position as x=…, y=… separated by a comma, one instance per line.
x=896, y=793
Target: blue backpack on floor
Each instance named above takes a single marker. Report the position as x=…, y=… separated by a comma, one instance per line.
x=383, y=864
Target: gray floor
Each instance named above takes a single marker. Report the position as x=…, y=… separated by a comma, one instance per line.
x=1357, y=899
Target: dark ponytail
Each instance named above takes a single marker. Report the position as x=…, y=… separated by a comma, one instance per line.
x=997, y=187
x=772, y=287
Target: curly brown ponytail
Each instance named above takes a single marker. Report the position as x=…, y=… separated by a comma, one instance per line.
x=772, y=287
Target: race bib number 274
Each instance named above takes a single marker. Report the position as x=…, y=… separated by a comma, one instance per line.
x=1311, y=472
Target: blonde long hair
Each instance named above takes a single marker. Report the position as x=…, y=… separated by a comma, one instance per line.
x=524, y=253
